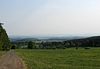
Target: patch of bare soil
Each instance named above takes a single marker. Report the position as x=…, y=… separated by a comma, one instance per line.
x=11, y=61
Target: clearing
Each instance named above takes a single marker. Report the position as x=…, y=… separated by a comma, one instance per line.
x=11, y=61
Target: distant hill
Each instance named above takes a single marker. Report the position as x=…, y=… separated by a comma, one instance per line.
x=23, y=39
x=27, y=40
x=60, y=39
x=47, y=39
x=93, y=38
x=93, y=41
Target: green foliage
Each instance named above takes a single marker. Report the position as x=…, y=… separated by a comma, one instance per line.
x=30, y=45
x=13, y=47
x=61, y=58
x=4, y=40
x=2, y=53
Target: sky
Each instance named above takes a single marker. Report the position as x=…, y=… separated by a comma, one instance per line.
x=51, y=17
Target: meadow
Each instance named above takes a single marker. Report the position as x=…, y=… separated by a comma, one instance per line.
x=61, y=58
x=2, y=53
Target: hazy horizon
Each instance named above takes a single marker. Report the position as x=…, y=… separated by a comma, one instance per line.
x=51, y=17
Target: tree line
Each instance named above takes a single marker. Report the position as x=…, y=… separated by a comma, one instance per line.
x=84, y=43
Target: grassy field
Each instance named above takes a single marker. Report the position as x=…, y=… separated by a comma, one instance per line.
x=2, y=53
x=61, y=59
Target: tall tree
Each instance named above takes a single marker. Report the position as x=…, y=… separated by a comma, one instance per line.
x=4, y=40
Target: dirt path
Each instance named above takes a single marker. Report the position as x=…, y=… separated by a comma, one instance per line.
x=11, y=61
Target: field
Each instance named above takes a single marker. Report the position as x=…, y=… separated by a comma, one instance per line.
x=61, y=59
x=2, y=53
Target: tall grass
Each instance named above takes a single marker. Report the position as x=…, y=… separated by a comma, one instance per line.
x=2, y=53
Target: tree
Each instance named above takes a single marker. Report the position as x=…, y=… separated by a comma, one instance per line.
x=4, y=40
x=30, y=45
x=13, y=47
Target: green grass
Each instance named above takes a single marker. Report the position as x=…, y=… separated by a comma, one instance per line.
x=61, y=59
x=2, y=53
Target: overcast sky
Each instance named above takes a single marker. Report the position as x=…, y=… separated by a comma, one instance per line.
x=51, y=17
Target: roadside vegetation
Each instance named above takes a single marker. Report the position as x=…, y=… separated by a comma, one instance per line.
x=2, y=53
x=61, y=59
x=4, y=40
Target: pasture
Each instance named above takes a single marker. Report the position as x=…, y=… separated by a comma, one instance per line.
x=61, y=58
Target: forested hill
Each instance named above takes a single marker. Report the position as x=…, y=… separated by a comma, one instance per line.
x=85, y=42
x=4, y=40
x=94, y=38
